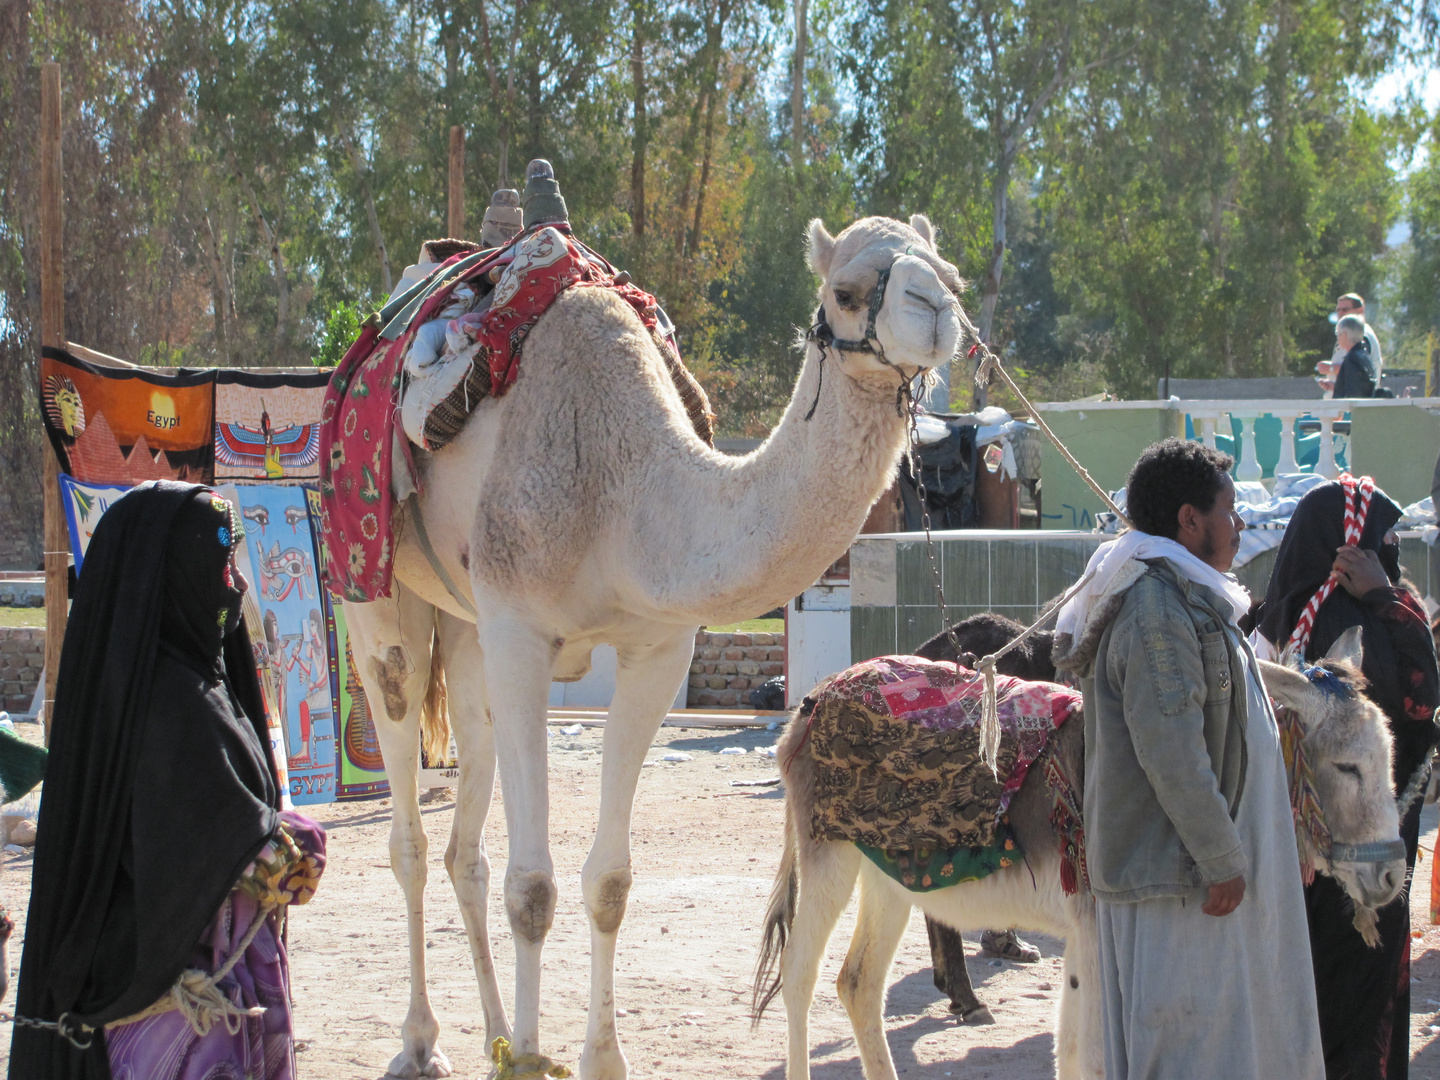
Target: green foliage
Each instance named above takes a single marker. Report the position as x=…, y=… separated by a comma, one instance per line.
x=341, y=328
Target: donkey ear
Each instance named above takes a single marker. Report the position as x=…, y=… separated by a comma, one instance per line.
x=1348, y=648
x=921, y=224
x=1290, y=688
x=822, y=246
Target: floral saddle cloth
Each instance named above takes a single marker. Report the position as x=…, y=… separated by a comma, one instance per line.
x=896, y=744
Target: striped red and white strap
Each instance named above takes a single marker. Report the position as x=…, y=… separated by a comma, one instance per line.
x=1357, y=508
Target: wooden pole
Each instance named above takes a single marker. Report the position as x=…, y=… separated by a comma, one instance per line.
x=457, y=182
x=52, y=332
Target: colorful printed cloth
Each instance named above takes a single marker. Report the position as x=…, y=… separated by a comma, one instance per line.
x=267, y=425
x=896, y=746
x=925, y=869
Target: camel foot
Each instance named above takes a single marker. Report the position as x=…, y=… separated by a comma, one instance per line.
x=975, y=1017
x=603, y=1063
x=404, y=1066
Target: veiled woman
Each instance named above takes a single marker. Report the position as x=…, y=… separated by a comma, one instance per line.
x=154, y=947
x=1363, y=993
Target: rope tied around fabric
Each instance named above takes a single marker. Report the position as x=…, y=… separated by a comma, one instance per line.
x=512, y=1066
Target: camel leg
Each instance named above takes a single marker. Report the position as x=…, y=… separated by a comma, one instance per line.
x=827, y=878
x=952, y=977
x=1079, y=1046
x=879, y=926
x=645, y=685
x=392, y=649
x=518, y=663
x=466, y=859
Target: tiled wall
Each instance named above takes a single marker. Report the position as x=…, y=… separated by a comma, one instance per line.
x=892, y=584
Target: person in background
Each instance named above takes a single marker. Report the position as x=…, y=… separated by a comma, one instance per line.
x=1351, y=304
x=1363, y=993
x=1355, y=377
x=1204, y=962
x=164, y=865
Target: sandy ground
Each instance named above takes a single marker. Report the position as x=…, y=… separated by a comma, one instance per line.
x=704, y=855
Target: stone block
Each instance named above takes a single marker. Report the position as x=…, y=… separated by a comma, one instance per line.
x=776, y=654
x=701, y=638
x=720, y=640
x=715, y=682
x=759, y=652
x=727, y=698
x=740, y=683
x=35, y=659
x=762, y=639
x=697, y=680
x=697, y=668
x=741, y=640
x=705, y=700
x=772, y=669
x=733, y=654
x=747, y=667
x=709, y=653
x=725, y=667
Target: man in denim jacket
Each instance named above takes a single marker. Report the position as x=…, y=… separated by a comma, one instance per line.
x=1204, y=955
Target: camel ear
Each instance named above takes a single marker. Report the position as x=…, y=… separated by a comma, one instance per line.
x=921, y=224
x=822, y=246
x=1348, y=648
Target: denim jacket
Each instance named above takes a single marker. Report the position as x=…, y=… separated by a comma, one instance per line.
x=1165, y=753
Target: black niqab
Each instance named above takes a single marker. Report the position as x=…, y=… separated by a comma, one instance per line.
x=160, y=788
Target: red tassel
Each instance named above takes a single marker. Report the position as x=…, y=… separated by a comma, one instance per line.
x=1068, y=880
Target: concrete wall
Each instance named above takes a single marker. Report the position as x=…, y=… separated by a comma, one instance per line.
x=1397, y=445
x=1106, y=441
x=728, y=666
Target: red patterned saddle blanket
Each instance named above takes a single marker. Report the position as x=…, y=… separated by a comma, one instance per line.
x=896, y=743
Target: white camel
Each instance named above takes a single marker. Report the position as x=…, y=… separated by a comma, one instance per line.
x=581, y=508
x=1342, y=732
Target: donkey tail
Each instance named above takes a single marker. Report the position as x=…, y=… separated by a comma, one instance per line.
x=779, y=917
x=435, y=710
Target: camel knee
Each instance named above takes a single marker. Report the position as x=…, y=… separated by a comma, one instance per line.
x=390, y=671
x=470, y=867
x=408, y=849
x=606, y=896
x=530, y=903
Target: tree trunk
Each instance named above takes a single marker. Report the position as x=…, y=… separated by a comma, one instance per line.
x=797, y=91
x=711, y=104
x=221, y=292
x=362, y=171
x=641, y=133
x=990, y=295
x=277, y=261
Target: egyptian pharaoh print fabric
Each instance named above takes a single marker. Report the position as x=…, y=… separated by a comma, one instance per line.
x=896, y=742
x=127, y=425
x=267, y=425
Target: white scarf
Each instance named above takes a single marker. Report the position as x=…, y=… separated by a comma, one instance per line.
x=1111, y=559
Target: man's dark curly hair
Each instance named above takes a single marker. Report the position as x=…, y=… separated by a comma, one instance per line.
x=1168, y=475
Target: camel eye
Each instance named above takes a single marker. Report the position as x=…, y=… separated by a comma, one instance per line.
x=846, y=299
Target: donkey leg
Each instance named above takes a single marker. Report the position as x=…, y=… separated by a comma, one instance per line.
x=827, y=878
x=1079, y=1045
x=952, y=978
x=466, y=859
x=392, y=649
x=879, y=926
x=646, y=682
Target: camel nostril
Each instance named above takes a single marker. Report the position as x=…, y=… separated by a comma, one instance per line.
x=925, y=299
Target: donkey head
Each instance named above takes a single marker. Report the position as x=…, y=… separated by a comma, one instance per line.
x=1347, y=746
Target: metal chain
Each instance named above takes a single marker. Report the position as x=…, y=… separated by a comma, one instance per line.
x=61, y=1028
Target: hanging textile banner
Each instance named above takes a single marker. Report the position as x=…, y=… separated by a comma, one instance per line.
x=267, y=425
x=361, y=768
x=84, y=503
x=127, y=425
x=281, y=553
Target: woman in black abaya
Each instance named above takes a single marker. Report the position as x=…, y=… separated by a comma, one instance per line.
x=1363, y=993
x=163, y=856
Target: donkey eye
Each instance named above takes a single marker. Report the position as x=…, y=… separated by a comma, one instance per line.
x=1350, y=770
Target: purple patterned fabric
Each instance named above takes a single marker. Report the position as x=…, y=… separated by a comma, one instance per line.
x=165, y=1047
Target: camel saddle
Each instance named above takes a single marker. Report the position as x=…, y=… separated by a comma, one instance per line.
x=896, y=745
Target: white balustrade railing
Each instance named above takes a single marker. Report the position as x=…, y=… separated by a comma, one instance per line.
x=1205, y=416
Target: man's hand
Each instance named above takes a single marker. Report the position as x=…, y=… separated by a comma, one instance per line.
x=1225, y=897
x=1358, y=571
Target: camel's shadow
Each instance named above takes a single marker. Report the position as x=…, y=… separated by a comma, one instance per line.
x=996, y=1061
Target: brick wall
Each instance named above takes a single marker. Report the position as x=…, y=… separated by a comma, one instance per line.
x=727, y=666
x=22, y=654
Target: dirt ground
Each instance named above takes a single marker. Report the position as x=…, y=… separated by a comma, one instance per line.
x=704, y=855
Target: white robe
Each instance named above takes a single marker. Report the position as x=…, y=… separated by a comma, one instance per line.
x=1185, y=994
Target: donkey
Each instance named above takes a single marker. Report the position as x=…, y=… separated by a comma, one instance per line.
x=1343, y=735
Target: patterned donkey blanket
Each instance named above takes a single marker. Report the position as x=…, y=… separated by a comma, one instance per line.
x=896, y=741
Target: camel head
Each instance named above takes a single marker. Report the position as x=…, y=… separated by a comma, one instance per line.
x=918, y=324
x=1348, y=747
